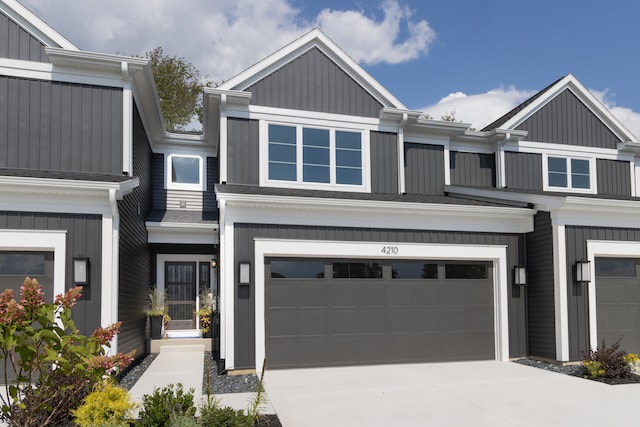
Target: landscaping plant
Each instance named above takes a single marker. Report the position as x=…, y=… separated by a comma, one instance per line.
x=107, y=405
x=607, y=362
x=49, y=367
x=164, y=403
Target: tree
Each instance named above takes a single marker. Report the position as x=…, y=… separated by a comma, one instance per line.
x=179, y=85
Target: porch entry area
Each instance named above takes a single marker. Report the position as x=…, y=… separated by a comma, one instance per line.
x=183, y=278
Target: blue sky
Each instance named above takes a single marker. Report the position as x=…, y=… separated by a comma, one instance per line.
x=479, y=58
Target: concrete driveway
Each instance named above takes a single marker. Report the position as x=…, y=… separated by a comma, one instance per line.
x=492, y=394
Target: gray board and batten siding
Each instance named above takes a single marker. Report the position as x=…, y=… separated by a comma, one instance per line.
x=423, y=168
x=313, y=82
x=523, y=171
x=60, y=126
x=17, y=43
x=83, y=239
x=614, y=177
x=540, y=288
x=566, y=120
x=578, y=299
x=477, y=169
x=384, y=162
x=242, y=151
x=134, y=254
x=244, y=235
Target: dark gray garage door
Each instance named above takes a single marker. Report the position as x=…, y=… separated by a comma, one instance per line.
x=618, y=302
x=350, y=312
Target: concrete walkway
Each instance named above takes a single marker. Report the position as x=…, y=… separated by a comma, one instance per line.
x=479, y=394
x=184, y=364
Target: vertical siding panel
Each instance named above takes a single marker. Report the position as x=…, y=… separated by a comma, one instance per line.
x=424, y=169
x=523, y=170
x=384, y=163
x=614, y=177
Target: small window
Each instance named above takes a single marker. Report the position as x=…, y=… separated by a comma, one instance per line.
x=357, y=270
x=22, y=264
x=568, y=173
x=609, y=267
x=297, y=269
x=414, y=270
x=184, y=172
x=465, y=271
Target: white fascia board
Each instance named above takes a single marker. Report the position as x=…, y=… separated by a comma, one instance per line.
x=177, y=233
x=314, y=38
x=34, y=25
x=379, y=214
x=65, y=186
x=584, y=95
x=93, y=60
x=567, y=150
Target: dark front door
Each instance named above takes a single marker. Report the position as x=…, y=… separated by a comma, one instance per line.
x=180, y=280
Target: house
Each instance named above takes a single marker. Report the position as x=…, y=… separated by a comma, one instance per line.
x=334, y=225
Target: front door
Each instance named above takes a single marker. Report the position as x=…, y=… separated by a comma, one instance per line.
x=180, y=284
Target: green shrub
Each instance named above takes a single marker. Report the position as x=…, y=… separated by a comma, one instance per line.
x=162, y=404
x=212, y=415
x=106, y=405
x=607, y=362
x=54, y=367
x=183, y=420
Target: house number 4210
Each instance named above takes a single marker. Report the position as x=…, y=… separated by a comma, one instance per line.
x=390, y=250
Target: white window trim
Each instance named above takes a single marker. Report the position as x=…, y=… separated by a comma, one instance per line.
x=299, y=184
x=592, y=174
x=604, y=248
x=332, y=249
x=170, y=185
x=40, y=240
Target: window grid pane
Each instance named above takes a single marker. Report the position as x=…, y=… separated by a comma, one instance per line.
x=185, y=170
x=348, y=158
x=580, y=174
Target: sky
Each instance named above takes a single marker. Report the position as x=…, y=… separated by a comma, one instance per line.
x=478, y=59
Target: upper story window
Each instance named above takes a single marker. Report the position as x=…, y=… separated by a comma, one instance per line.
x=569, y=173
x=315, y=157
x=185, y=172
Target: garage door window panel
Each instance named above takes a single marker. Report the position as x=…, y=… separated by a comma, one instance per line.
x=465, y=271
x=297, y=269
x=357, y=270
x=414, y=270
x=610, y=267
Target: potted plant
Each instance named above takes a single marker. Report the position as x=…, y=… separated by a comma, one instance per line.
x=157, y=311
x=205, y=311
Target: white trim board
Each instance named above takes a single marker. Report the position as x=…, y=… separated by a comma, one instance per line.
x=332, y=249
x=604, y=248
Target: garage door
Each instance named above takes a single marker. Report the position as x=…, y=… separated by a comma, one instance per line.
x=323, y=312
x=618, y=302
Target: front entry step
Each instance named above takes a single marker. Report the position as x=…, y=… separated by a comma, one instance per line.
x=172, y=342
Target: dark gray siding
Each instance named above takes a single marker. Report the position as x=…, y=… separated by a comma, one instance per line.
x=566, y=120
x=135, y=259
x=159, y=193
x=60, y=126
x=242, y=152
x=209, y=197
x=16, y=43
x=540, y=297
x=84, y=239
x=244, y=249
x=523, y=171
x=423, y=168
x=313, y=82
x=384, y=162
x=614, y=177
x=576, y=238
x=475, y=169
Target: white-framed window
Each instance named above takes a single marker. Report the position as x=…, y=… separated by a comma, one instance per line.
x=185, y=172
x=575, y=174
x=315, y=157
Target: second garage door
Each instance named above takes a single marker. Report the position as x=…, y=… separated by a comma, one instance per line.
x=323, y=312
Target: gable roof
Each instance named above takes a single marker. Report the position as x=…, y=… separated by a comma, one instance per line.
x=528, y=108
x=34, y=25
x=313, y=39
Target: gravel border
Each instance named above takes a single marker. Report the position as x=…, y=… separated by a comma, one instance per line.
x=575, y=371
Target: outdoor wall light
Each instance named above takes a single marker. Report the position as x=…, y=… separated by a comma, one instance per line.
x=214, y=262
x=81, y=271
x=245, y=273
x=520, y=275
x=583, y=271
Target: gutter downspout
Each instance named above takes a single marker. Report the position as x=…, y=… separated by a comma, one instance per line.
x=112, y=303
x=223, y=138
x=501, y=175
x=401, y=177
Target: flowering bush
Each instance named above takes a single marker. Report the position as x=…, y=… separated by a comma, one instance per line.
x=633, y=361
x=49, y=367
x=607, y=362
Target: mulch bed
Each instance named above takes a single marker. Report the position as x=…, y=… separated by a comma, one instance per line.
x=576, y=371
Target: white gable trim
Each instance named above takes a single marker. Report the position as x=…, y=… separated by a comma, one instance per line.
x=583, y=94
x=314, y=38
x=34, y=25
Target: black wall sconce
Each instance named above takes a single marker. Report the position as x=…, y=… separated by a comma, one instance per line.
x=245, y=273
x=520, y=275
x=583, y=271
x=214, y=262
x=81, y=271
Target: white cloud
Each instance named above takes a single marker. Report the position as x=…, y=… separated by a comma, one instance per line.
x=629, y=118
x=224, y=37
x=480, y=109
